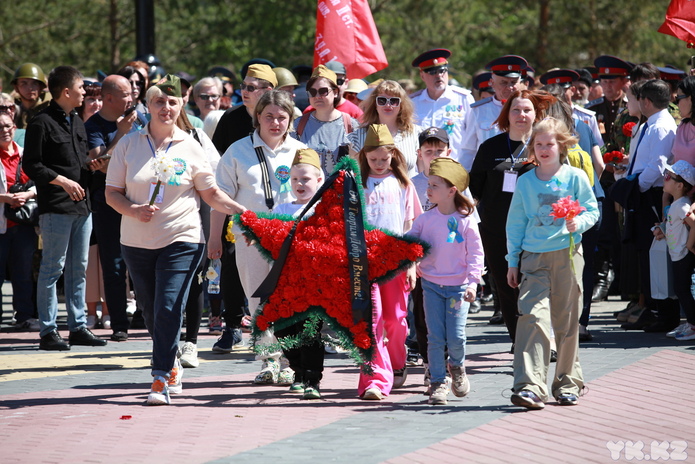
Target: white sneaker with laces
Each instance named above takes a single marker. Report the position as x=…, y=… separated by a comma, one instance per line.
x=175, y=375
x=677, y=330
x=189, y=355
x=687, y=334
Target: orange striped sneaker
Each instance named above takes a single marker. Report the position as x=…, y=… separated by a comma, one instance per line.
x=159, y=393
x=175, y=376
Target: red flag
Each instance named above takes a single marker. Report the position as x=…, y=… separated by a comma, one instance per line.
x=680, y=21
x=345, y=32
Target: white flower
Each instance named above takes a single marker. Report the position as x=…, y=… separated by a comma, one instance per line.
x=163, y=168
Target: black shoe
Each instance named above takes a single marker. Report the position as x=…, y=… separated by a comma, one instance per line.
x=230, y=338
x=119, y=336
x=85, y=337
x=53, y=342
x=553, y=356
x=496, y=318
x=660, y=326
x=584, y=334
x=475, y=307
x=645, y=319
x=600, y=292
x=137, y=323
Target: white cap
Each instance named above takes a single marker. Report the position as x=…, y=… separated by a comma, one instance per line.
x=684, y=170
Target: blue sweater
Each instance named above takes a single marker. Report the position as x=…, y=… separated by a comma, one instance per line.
x=529, y=224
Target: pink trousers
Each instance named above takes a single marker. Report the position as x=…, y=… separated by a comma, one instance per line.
x=389, y=313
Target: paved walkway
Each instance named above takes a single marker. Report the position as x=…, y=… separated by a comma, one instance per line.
x=86, y=406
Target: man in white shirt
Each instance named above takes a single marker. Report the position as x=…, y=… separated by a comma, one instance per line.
x=440, y=104
x=654, y=140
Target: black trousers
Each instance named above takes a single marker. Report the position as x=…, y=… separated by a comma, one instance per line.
x=307, y=360
x=495, y=247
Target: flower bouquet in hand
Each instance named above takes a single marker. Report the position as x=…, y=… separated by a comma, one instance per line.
x=164, y=171
x=567, y=209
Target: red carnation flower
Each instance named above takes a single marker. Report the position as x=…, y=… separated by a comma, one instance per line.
x=627, y=128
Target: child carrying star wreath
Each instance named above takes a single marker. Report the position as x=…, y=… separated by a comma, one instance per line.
x=327, y=261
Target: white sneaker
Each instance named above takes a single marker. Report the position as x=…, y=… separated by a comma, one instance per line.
x=175, y=376
x=687, y=334
x=269, y=372
x=677, y=330
x=106, y=322
x=189, y=355
x=159, y=394
x=91, y=322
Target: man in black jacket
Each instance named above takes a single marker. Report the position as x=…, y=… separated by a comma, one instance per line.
x=55, y=157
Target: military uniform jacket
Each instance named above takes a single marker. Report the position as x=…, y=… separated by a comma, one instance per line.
x=480, y=126
x=606, y=113
x=448, y=112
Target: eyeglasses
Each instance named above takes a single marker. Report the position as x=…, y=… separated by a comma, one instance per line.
x=681, y=97
x=340, y=81
x=323, y=91
x=250, y=88
x=675, y=177
x=392, y=101
x=437, y=71
x=7, y=109
x=206, y=97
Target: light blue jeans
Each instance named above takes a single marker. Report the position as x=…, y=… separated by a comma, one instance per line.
x=446, y=314
x=65, y=250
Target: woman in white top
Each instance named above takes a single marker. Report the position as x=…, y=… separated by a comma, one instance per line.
x=389, y=104
x=163, y=242
x=242, y=176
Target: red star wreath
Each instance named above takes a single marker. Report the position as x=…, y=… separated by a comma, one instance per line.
x=318, y=280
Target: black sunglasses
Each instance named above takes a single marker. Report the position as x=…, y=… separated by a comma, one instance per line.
x=681, y=97
x=206, y=97
x=250, y=88
x=340, y=81
x=7, y=109
x=323, y=91
x=383, y=101
x=436, y=71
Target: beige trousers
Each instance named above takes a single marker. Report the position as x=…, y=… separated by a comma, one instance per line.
x=550, y=293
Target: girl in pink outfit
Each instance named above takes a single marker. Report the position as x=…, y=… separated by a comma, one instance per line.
x=392, y=204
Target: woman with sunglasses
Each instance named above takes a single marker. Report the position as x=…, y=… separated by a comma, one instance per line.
x=92, y=100
x=389, y=104
x=8, y=106
x=206, y=94
x=325, y=129
x=685, y=135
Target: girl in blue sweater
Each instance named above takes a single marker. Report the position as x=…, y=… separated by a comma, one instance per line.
x=546, y=264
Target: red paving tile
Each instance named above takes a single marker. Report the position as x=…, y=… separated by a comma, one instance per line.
x=642, y=411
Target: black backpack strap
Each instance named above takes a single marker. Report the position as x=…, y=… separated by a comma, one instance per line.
x=265, y=174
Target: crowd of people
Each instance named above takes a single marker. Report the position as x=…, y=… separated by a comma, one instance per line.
x=539, y=194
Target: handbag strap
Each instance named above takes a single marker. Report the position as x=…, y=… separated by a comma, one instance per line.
x=265, y=175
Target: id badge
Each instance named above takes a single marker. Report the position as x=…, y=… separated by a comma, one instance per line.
x=160, y=194
x=509, y=184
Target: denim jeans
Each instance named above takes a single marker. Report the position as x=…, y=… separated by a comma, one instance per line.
x=446, y=314
x=17, y=247
x=162, y=279
x=65, y=250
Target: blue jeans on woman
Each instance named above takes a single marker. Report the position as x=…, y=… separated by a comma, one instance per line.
x=17, y=247
x=65, y=251
x=445, y=313
x=162, y=278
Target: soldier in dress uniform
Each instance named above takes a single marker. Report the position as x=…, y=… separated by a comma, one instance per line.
x=481, y=86
x=566, y=78
x=614, y=75
x=507, y=72
x=440, y=104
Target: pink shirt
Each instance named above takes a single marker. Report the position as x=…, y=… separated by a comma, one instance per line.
x=684, y=144
x=389, y=205
x=456, y=256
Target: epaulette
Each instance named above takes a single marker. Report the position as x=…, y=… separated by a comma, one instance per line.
x=460, y=90
x=598, y=101
x=482, y=102
x=584, y=110
x=416, y=94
